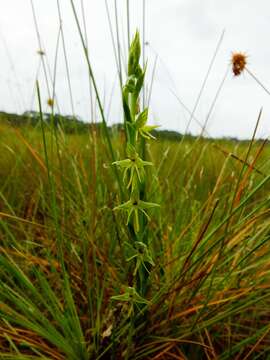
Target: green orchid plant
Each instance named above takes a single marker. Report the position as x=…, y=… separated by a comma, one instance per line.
x=136, y=126
x=134, y=176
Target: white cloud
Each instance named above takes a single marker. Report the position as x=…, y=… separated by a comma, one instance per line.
x=183, y=33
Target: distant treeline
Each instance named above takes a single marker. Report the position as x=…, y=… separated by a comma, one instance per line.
x=69, y=124
x=73, y=125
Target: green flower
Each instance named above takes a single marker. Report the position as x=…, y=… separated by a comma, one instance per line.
x=131, y=297
x=141, y=254
x=133, y=207
x=133, y=167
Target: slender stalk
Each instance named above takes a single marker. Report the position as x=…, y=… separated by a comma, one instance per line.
x=214, y=101
x=118, y=42
x=143, y=48
x=113, y=43
x=128, y=24
x=90, y=82
x=65, y=58
x=106, y=132
x=257, y=80
x=40, y=48
x=198, y=98
x=51, y=184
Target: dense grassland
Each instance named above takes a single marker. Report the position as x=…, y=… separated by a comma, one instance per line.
x=63, y=250
x=116, y=245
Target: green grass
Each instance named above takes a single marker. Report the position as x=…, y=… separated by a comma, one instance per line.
x=63, y=251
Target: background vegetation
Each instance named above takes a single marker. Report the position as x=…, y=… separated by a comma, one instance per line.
x=209, y=294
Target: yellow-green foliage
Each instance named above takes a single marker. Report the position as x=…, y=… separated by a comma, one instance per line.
x=209, y=240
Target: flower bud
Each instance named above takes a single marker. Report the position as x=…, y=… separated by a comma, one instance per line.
x=134, y=55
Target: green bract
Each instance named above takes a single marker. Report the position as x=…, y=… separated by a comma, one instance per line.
x=141, y=125
x=145, y=131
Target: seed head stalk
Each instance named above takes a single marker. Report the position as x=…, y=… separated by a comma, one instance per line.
x=257, y=80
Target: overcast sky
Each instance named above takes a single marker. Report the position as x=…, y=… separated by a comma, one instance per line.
x=182, y=34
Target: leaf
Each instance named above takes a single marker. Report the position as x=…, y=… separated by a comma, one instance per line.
x=127, y=114
x=147, y=205
x=125, y=206
x=140, y=80
x=123, y=163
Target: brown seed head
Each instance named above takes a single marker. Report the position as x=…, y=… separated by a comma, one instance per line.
x=41, y=52
x=239, y=61
x=50, y=102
